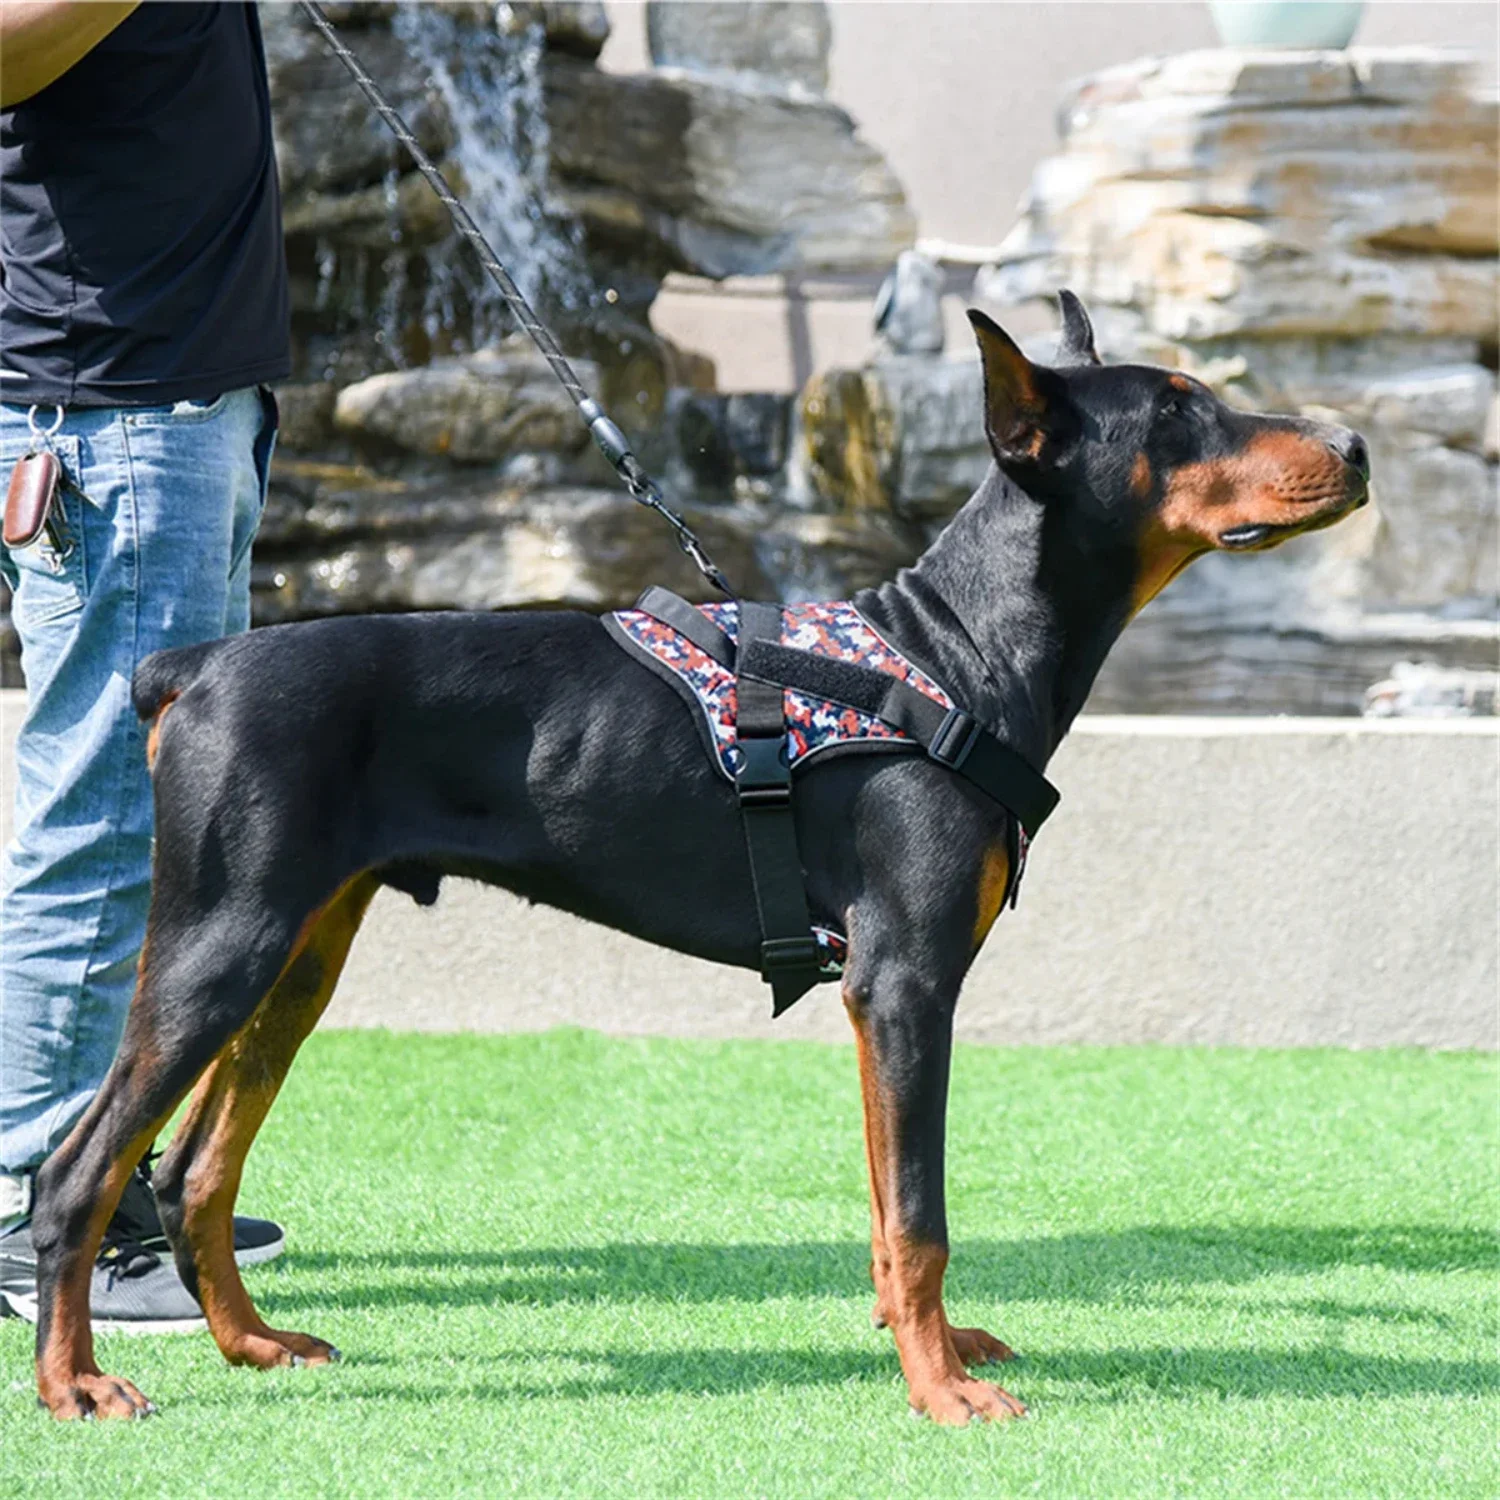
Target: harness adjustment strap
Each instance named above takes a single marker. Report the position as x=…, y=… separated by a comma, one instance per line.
x=690, y=623
x=952, y=737
x=955, y=738
x=788, y=950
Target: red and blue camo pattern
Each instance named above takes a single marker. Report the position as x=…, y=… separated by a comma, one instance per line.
x=835, y=630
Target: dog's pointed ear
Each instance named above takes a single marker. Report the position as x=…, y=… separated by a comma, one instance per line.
x=1075, y=346
x=1024, y=404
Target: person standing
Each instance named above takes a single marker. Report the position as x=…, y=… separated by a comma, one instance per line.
x=143, y=309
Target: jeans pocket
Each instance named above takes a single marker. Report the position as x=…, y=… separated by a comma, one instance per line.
x=265, y=441
x=177, y=413
x=51, y=580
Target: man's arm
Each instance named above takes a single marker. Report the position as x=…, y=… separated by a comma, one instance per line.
x=41, y=39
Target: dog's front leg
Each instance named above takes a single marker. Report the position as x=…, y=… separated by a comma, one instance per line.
x=904, y=1034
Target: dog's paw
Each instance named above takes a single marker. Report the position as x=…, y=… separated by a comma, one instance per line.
x=976, y=1347
x=272, y=1350
x=306, y=1350
x=957, y=1402
x=84, y=1397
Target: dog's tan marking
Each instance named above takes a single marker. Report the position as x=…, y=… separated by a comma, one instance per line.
x=1280, y=478
x=228, y=1107
x=153, y=737
x=69, y=1382
x=1273, y=480
x=1141, y=477
x=1162, y=558
x=994, y=876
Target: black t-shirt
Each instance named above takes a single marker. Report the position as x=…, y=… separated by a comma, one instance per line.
x=140, y=222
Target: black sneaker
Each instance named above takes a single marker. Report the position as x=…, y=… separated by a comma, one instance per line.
x=137, y=1220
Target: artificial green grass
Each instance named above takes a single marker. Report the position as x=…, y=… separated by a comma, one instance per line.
x=566, y=1265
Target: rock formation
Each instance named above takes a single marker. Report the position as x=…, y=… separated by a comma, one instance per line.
x=428, y=457
x=1307, y=232
x=593, y=185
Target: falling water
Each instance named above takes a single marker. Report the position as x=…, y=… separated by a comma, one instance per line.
x=490, y=79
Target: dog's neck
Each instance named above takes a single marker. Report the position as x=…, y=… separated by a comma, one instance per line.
x=1014, y=607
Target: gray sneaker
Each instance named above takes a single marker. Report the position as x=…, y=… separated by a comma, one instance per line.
x=132, y=1290
x=135, y=1286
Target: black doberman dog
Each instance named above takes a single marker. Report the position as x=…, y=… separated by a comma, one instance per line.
x=297, y=769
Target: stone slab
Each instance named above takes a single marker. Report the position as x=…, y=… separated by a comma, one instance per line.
x=726, y=177
x=785, y=42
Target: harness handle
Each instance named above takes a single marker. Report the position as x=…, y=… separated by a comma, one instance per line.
x=607, y=437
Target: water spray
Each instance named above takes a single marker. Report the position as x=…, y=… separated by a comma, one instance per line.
x=607, y=436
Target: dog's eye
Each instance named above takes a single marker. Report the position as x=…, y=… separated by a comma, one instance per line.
x=1178, y=409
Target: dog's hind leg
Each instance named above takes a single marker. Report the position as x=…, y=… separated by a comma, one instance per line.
x=199, y=1177
x=195, y=990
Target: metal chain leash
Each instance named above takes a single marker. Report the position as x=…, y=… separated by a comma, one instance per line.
x=607, y=437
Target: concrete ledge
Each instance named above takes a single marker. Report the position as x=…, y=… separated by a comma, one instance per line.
x=1267, y=882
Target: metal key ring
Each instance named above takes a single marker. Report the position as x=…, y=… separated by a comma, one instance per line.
x=50, y=432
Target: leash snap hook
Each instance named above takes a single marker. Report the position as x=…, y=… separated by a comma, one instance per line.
x=645, y=489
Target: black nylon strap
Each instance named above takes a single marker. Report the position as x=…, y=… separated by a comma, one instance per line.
x=952, y=737
x=788, y=950
x=671, y=609
x=760, y=702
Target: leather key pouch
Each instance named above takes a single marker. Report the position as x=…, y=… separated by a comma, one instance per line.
x=34, y=483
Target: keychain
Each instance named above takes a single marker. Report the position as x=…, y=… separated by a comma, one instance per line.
x=31, y=506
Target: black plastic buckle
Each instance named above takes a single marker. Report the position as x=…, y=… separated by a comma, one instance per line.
x=788, y=953
x=956, y=737
x=763, y=778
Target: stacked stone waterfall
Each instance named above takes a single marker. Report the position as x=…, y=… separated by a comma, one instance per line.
x=1307, y=232
x=428, y=464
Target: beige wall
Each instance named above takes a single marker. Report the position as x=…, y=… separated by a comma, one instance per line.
x=961, y=97
x=1224, y=882
x=1245, y=882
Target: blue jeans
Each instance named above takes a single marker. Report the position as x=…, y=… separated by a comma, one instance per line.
x=160, y=557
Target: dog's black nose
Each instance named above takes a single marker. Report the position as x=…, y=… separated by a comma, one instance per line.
x=1351, y=447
